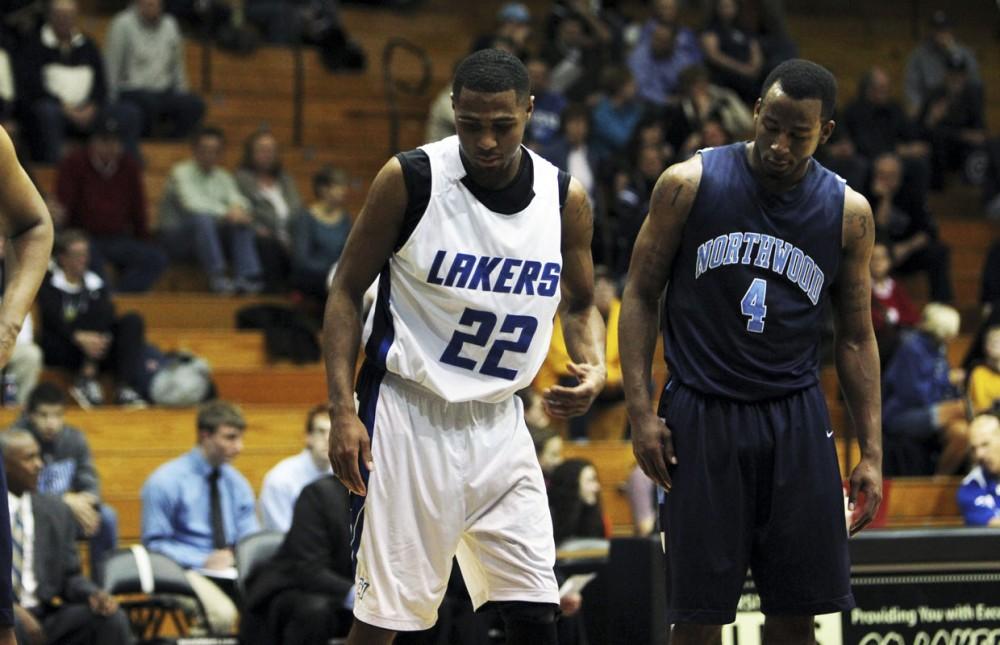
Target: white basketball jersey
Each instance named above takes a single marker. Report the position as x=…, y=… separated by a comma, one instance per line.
x=465, y=306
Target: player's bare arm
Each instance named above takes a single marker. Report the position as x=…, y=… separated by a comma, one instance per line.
x=649, y=272
x=583, y=327
x=25, y=222
x=857, y=354
x=369, y=245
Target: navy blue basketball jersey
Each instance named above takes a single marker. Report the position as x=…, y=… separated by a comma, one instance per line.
x=744, y=307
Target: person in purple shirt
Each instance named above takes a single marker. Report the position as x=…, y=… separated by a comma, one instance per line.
x=657, y=63
x=197, y=507
x=979, y=495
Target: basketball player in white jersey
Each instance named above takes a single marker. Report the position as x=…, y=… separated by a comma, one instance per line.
x=477, y=242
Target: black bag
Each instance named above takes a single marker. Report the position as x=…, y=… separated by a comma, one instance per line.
x=288, y=335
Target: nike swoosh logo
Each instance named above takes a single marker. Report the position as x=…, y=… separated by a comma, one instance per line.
x=829, y=433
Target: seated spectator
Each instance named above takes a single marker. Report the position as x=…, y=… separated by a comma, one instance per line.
x=575, y=502
x=55, y=602
x=284, y=482
x=606, y=417
x=571, y=151
x=80, y=330
x=304, y=594
x=616, y=114
x=68, y=471
x=699, y=101
x=733, y=54
x=979, y=495
x=877, y=123
x=657, y=63
x=547, y=116
x=63, y=87
x=927, y=64
x=902, y=220
x=197, y=507
x=201, y=202
x=922, y=410
x=667, y=12
x=513, y=25
x=573, y=56
x=892, y=308
x=319, y=234
x=100, y=191
x=984, y=381
x=274, y=202
x=953, y=119
x=146, y=68
x=631, y=203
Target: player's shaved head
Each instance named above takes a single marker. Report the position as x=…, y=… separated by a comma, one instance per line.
x=803, y=79
x=492, y=71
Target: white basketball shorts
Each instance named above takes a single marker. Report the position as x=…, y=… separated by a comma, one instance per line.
x=450, y=479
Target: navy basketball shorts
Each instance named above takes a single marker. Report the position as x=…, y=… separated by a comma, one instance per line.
x=757, y=485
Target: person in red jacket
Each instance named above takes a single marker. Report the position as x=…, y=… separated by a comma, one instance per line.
x=892, y=308
x=100, y=189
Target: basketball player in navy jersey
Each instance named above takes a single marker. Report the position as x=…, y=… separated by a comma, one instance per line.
x=748, y=240
x=476, y=243
x=27, y=228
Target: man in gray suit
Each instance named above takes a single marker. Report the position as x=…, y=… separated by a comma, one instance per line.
x=46, y=565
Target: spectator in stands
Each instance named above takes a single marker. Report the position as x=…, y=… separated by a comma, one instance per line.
x=575, y=503
x=274, y=203
x=63, y=86
x=902, y=220
x=513, y=26
x=657, y=63
x=600, y=422
x=549, y=105
x=197, y=507
x=100, y=191
x=80, y=330
x=304, y=594
x=892, y=308
x=55, y=603
x=68, y=471
x=146, y=68
x=616, y=114
x=927, y=65
x=700, y=101
x=979, y=495
x=319, y=234
x=877, y=123
x=631, y=203
x=571, y=151
x=922, y=408
x=984, y=381
x=201, y=202
x=667, y=12
x=284, y=482
x=953, y=119
x=574, y=55
x=733, y=54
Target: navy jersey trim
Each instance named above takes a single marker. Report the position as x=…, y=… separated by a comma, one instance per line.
x=417, y=176
x=563, y=179
x=369, y=384
x=383, y=331
x=512, y=198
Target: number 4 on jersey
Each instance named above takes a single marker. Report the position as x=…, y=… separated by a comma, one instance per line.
x=753, y=305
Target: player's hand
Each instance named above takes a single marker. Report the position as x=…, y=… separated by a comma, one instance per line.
x=867, y=480
x=653, y=447
x=564, y=402
x=102, y=604
x=348, y=444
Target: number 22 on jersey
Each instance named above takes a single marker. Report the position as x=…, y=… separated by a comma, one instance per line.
x=484, y=323
x=753, y=305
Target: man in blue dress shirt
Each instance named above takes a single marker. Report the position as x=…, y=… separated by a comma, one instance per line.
x=196, y=507
x=979, y=495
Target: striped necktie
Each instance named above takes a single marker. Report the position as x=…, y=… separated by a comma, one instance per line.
x=17, y=551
